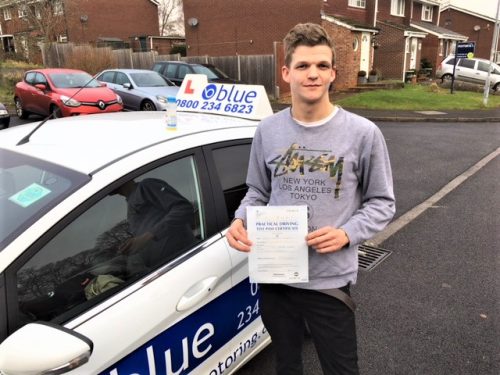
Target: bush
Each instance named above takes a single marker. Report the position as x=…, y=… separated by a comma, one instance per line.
x=362, y=73
x=373, y=72
x=181, y=49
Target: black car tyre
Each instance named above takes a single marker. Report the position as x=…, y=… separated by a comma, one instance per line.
x=446, y=78
x=4, y=123
x=496, y=88
x=55, y=111
x=21, y=113
x=148, y=105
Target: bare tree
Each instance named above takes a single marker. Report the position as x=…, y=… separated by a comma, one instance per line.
x=45, y=18
x=171, y=16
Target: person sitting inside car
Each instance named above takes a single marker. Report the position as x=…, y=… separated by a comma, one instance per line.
x=160, y=221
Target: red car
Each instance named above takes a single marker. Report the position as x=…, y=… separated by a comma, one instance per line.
x=63, y=92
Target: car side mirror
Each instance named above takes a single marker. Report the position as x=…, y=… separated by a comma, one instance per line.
x=41, y=86
x=43, y=348
x=103, y=84
x=127, y=85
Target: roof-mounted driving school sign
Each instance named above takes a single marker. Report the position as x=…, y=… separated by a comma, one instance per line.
x=245, y=101
x=465, y=50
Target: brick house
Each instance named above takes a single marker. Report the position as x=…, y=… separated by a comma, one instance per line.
x=99, y=22
x=389, y=35
x=222, y=28
x=477, y=27
x=409, y=33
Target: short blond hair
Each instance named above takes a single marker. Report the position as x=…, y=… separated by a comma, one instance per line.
x=306, y=34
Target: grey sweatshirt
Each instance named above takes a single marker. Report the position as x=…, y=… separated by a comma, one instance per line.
x=340, y=170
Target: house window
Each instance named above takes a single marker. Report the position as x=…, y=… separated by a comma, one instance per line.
x=38, y=14
x=6, y=14
x=21, y=11
x=427, y=12
x=58, y=8
x=398, y=7
x=357, y=3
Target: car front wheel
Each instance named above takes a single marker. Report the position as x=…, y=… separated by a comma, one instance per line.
x=496, y=88
x=21, y=113
x=148, y=105
x=446, y=78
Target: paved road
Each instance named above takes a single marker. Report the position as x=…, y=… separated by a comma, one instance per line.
x=432, y=307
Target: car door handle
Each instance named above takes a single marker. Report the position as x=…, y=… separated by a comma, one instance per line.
x=196, y=293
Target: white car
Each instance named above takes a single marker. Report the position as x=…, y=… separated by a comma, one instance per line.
x=113, y=258
x=473, y=70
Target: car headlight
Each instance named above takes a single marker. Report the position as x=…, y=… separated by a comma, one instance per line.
x=3, y=112
x=119, y=99
x=70, y=102
x=162, y=99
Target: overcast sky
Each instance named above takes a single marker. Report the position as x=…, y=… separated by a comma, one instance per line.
x=486, y=7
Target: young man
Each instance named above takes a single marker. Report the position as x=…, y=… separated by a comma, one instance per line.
x=336, y=163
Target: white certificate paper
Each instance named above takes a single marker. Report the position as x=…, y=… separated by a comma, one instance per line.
x=279, y=251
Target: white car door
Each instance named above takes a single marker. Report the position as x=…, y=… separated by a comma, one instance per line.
x=158, y=315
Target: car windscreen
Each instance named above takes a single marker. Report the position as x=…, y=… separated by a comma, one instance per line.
x=29, y=188
x=73, y=80
x=200, y=69
x=148, y=79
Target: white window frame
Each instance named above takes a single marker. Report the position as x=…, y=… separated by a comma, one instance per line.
x=6, y=14
x=427, y=12
x=398, y=8
x=22, y=11
x=58, y=8
x=357, y=3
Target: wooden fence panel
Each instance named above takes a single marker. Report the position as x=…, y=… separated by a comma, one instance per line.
x=254, y=69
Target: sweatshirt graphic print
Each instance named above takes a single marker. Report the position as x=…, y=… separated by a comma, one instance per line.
x=340, y=170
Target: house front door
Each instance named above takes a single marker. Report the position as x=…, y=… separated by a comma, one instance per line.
x=364, y=63
x=413, y=53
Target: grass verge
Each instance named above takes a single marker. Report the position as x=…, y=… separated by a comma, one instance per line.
x=419, y=98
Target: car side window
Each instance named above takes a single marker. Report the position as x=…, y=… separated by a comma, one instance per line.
x=467, y=63
x=484, y=67
x=170, y=70
x=30, y=78
x=232, y=164
x=121, y=78
x=158, y=68
x=106, y=77
x=40, y=78
x=183, y=70
x=143, y=224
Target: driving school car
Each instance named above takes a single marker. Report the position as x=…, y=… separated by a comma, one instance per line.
x=113, y=258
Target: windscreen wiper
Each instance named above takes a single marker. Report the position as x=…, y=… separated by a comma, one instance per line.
x=26, y=138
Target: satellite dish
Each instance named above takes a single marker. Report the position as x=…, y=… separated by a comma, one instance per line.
x=84, y=18
x=193, y=22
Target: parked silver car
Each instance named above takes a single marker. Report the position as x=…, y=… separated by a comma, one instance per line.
x=140, y=90
x=469, y=70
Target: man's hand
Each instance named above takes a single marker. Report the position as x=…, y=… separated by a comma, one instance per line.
x=327, y=239
x=134, y=244
x=237, y=236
